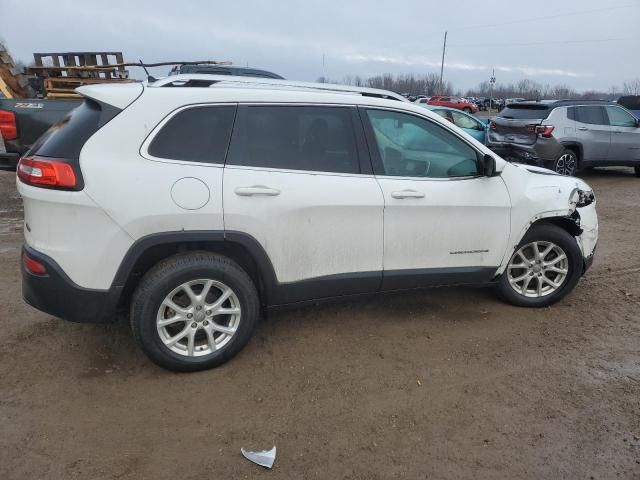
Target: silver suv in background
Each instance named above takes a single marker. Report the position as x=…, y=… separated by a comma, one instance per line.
x=566, y=135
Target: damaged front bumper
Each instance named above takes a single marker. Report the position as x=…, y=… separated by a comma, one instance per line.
x=588, y=239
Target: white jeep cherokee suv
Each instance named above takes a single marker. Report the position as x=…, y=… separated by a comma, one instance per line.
x=194, y=201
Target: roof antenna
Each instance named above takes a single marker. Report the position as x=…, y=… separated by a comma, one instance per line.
x=150, y=78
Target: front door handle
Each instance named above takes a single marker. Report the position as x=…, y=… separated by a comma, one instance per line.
x=256, y=190
x=407, y=194
x=583, y=129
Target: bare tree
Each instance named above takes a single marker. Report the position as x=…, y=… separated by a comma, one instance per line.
x=632, y=87
x=429, y=84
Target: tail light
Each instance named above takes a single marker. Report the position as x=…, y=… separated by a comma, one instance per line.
x=44, y=172
x=492, y=125
x=544, y=131
x=8, y=126
x=33, y=266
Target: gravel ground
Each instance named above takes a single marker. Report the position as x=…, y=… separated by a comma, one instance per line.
x=445, y=383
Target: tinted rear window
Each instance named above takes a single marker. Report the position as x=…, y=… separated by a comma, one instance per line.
x=591, y=114
x=525, y=111
x=198, y=134
x=631, y=102
x=66, y=138
x=295, y=138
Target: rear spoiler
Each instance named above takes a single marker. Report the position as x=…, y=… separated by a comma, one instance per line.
x=111, y=97
x=118, y=95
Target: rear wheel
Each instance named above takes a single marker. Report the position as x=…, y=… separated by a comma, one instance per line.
x=194, y=311
x=637, y=170
x=566, y=163
x=545, y=267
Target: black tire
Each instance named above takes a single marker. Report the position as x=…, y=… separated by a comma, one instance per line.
x=637, y=170
x=566, y=163
x=172, y=272
x=560, y=237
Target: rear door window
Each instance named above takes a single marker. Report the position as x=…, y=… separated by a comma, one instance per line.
x=444, y=114
x=464, y=121
x=592, y=115
x=310, y=138
x=197, y=134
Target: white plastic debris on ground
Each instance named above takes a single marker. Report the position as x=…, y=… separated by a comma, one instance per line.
x=264, y=458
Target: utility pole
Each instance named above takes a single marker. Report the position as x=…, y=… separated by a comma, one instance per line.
x=444, y=49
x=492, y=82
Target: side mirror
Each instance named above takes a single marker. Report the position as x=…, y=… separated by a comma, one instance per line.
x=488, y=166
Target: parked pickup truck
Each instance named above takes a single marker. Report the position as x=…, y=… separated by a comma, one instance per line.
x=23, y=121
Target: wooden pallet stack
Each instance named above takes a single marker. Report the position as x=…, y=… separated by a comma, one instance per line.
x=13, y=84
x=59, y=74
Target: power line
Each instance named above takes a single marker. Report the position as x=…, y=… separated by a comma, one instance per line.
x=527, y=44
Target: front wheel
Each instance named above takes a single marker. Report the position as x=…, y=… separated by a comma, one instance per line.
x=566, y=163
x=545, y=267
x=194, y=311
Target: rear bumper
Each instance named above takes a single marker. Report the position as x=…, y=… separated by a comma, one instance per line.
x=56, y=294
x=540, y=154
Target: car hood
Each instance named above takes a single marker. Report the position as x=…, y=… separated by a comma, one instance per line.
x=559, y=180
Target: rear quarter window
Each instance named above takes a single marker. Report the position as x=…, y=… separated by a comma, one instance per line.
x=521, y=112
x=196, y=134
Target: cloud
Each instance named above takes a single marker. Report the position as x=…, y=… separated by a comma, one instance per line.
x=551, y=72
x=417, y=61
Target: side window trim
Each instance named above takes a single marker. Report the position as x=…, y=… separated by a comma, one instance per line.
x=376, y=160
x=364, y=162
x=144, y=147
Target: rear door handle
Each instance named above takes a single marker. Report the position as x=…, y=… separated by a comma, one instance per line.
x=256, y=190
x=407, y=194
x=583, y=129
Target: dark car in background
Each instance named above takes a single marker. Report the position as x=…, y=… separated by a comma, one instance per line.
x=23, y=121
x=566, y=135
x=631, y=103
x=226, y=70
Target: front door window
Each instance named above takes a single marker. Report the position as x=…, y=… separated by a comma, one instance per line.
x=411, y=146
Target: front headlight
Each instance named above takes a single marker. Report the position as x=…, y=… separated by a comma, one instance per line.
x=580, y=198
x=586, y=197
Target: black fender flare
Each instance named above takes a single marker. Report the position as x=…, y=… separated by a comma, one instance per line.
x=217, y=237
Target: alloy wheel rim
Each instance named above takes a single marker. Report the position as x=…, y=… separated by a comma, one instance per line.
x=538, y=269
x=566, y=164
x=198, y=317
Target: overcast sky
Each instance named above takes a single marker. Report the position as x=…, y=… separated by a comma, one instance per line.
x=583, y=43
